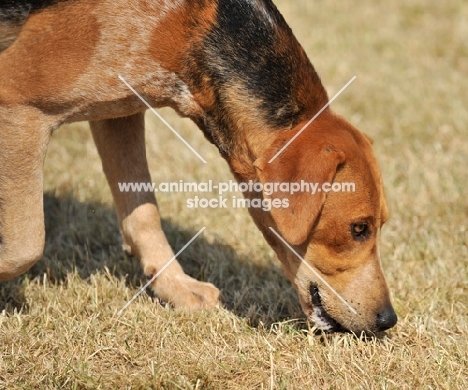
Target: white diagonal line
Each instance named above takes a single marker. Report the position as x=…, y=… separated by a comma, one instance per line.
x=315, y=272
x=160, y=272
x=308, y=123
x=162, y=119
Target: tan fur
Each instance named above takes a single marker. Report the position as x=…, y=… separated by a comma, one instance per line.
x=64, y=67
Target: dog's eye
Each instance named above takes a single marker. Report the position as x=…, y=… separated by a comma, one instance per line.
x=360, y=231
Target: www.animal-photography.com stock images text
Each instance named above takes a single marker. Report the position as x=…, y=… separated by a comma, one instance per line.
x=233, y=194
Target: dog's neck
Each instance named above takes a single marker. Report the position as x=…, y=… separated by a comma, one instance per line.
x=251, y=81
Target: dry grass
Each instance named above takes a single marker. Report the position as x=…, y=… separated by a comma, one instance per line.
x=59, y=330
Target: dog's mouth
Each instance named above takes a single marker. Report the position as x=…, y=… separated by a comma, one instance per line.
x=319, y=316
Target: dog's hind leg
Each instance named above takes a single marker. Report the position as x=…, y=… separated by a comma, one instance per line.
x=24, y=135
x=121, y=145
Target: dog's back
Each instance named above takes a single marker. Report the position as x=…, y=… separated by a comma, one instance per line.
x=13, y=15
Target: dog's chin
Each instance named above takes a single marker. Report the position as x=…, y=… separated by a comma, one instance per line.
x=322, y=320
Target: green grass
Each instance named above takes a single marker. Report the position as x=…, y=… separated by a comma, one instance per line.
x=59, y=328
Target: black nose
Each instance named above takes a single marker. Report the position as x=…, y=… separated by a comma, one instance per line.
x=386, y=319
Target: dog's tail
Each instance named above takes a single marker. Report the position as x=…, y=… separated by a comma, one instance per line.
x=13, y=15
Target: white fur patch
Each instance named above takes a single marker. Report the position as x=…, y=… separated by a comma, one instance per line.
x=320, y=320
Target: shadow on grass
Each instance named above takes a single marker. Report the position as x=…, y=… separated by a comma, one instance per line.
x=84, y=238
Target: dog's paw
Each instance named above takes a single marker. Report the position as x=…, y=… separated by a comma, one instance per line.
x=187, y=293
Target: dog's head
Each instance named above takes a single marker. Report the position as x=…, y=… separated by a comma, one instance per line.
x=336, y=230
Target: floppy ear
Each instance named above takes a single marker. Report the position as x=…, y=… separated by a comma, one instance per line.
x=317, y=165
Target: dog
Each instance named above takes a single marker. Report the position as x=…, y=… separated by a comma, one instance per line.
x=235, y=68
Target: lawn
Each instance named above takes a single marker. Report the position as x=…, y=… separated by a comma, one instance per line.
x=59, y=326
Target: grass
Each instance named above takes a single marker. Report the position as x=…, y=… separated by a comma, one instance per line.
x=59, y=328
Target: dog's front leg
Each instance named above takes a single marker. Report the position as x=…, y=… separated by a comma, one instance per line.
x=24, y=135
x=121, y=145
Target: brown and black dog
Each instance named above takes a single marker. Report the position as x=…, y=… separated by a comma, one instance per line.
x=233, y=67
